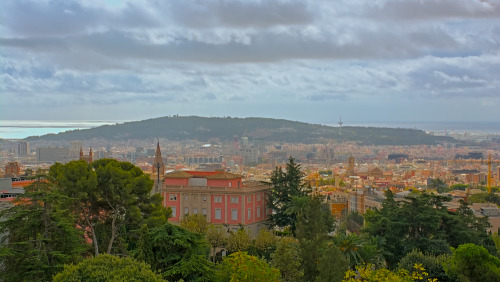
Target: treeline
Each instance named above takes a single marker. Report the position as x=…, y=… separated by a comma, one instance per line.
x=259, y=129
x=99, y=222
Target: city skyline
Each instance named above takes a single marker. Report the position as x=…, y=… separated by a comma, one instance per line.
x=310, y=61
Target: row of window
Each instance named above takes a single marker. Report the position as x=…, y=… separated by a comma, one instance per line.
x=217, y=199
x=173, y=197
x=218, y=213
x=186, y=211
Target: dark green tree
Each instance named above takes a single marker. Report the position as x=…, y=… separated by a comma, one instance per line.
x=39, y=237
x=433, y=264
x=110, y=199
x=108, y=268
x=423, y=222
x=438, y=184
x=177, y=253
x=286, y=258
x=286, y=185
x=331, y=265
x=314, y=222
x=473, y=263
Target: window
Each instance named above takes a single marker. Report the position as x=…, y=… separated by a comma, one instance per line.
x=195, y=211
x=173, y=197
x=217, y=199
x=204, y=211
x=230, y=184
x=186, y=211
x=204, y=198
x=174, y=211
x=218, y=214
x=186, y=197
x=258, y=211
x=249, y=214
x=234, y=214
x=235, y=199
x=249, y=199
x=258, y=197
x=195, y=198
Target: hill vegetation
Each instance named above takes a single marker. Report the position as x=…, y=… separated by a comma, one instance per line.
x=259, y=129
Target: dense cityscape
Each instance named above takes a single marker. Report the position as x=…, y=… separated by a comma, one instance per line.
x=250, y=140
x=231, y=194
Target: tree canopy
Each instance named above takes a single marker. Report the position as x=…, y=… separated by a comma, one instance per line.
x=109, y=199
x=424, y=223
x=105, y=268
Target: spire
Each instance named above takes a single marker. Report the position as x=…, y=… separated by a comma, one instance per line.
x=158, y=165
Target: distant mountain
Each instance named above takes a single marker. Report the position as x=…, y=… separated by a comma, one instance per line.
x=259, y=129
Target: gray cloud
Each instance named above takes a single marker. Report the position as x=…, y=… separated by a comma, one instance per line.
x=174, y=54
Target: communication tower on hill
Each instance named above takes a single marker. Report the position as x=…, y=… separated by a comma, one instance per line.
x=340, y=125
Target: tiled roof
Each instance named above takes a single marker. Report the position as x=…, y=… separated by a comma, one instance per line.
x=224, y=175
x=203, y=174
x=178, y=174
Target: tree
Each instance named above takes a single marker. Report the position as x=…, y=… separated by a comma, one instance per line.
x=438, y=184
x=196, y=223
x=110, y=198
x=40, y=237
x=215, y=237
x=423, y=222
x=286, y=185
x=331, y=265
x=238, y=241
x=108, y=268
x=177, y=253
x=473, y=263
x=368, y=273
x=314, y=222
x=286, y=258
x=432, y=264
x=265, y=243
x=240, y=266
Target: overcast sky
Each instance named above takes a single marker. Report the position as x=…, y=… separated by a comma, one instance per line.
x=312, y=61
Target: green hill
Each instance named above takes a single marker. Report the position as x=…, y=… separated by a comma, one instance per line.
x=260, y=129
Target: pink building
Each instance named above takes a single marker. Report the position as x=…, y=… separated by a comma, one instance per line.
x=221, y=196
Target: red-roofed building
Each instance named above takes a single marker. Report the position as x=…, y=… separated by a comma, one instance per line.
x=222, y=197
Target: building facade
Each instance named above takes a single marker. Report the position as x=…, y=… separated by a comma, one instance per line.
x=224, y=198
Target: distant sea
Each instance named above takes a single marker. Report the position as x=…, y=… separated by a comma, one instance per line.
x=477, y=127
x=19, y=129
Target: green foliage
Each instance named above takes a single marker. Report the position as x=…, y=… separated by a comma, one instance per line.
x=111, y=199
x=438, y=184
x=40, y=237
x=462, y=187
x=286, y=258
x=265, y=243
x=177, y=253
x=314, y=222
x=108, y=268
x=286, y=186
x=423, y=222
x=331, y=265
x=470, y=262
x=215, y=237
x=368, y=273
x=432, y=264
x=196, y=223
x=238, y=241
x=240, y=266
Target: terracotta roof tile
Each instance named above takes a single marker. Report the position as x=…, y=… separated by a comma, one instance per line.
x=178, y=174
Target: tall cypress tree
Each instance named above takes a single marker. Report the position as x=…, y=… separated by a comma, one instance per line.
x=286, y=185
